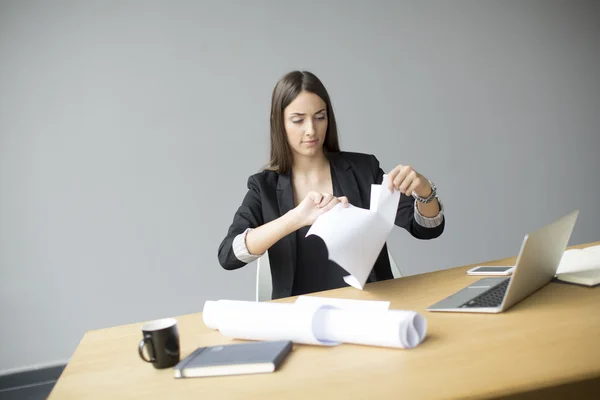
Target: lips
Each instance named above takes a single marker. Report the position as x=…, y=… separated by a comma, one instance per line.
x=311, y=141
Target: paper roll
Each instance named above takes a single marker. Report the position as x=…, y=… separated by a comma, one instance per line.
x=265, y=321
x=209, y=314
x=394, y=328
x=315, y=323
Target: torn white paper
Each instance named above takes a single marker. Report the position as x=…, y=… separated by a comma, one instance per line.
x=354, y=236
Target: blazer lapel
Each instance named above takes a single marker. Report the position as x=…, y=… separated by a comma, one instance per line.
x=285, y=199
x=346, y=179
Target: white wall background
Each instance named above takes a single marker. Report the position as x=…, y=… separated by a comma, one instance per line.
x=128, y=130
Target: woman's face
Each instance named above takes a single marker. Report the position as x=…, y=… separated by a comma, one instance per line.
x=305, y=121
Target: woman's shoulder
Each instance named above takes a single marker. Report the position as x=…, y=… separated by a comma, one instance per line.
x=264, y=179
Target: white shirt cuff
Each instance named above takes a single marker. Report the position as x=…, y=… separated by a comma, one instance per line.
x=240, y=250
x=429, y=222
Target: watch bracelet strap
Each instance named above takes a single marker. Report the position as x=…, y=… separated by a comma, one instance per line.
x=428, y=199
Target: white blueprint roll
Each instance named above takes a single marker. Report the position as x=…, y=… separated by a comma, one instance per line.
x=393, y=328
x=315, y=324
x=264, y=321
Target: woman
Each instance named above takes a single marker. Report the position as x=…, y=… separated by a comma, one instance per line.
x=307, y=176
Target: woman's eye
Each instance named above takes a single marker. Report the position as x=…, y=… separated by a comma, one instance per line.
x=321, y=117
x=297, y=121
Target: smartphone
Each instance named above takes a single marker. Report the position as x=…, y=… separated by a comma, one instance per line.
x=491, y=270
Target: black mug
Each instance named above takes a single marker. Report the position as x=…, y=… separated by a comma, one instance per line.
x=161, y=339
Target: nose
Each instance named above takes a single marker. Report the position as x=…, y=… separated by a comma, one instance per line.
x=310, y=128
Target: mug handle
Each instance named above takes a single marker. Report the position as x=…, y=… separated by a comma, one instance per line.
x=143, y=342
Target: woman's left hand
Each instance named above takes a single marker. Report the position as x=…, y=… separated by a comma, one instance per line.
x=405, y=179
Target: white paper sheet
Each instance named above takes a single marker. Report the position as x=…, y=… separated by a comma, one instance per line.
x=344, y=304
x=354, y=236
x=315, y=323
x=577, y=260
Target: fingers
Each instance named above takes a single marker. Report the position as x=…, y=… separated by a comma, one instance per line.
x=329, y=206
x=405, y=179
x=316, y=197
x=401, y=176
x=344, y=201
x=409, y=176
x=413, y=186
x=392, y=176
x=333, y=201
x=326, y=199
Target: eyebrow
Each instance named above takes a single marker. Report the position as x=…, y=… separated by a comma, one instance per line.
x=300, y=114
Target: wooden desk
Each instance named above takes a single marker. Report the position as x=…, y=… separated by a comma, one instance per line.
x=549, y=339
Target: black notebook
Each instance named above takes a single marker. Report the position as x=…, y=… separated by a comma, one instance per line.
x=234, y=359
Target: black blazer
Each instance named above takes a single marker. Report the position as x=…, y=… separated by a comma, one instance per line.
x=270, y=196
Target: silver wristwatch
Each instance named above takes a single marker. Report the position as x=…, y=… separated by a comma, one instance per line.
x=426, y=200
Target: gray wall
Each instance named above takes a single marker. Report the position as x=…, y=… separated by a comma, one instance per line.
x=128, y=130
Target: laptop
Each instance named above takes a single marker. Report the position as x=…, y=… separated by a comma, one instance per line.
x=536, y=265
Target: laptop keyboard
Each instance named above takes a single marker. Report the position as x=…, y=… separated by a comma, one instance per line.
x=491, y=298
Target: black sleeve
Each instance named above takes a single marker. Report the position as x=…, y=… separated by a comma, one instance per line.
x=405, y=216
x=248, y=215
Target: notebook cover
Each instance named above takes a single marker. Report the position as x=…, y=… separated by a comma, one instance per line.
x=235, y=354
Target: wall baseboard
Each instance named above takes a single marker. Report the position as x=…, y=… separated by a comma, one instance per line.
x=31, y=377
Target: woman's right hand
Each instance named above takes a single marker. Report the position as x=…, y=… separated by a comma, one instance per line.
x=314, y=205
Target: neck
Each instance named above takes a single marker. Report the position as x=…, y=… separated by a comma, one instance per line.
x=307, y=166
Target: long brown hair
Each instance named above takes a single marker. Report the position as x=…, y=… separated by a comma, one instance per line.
x=285, y=91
